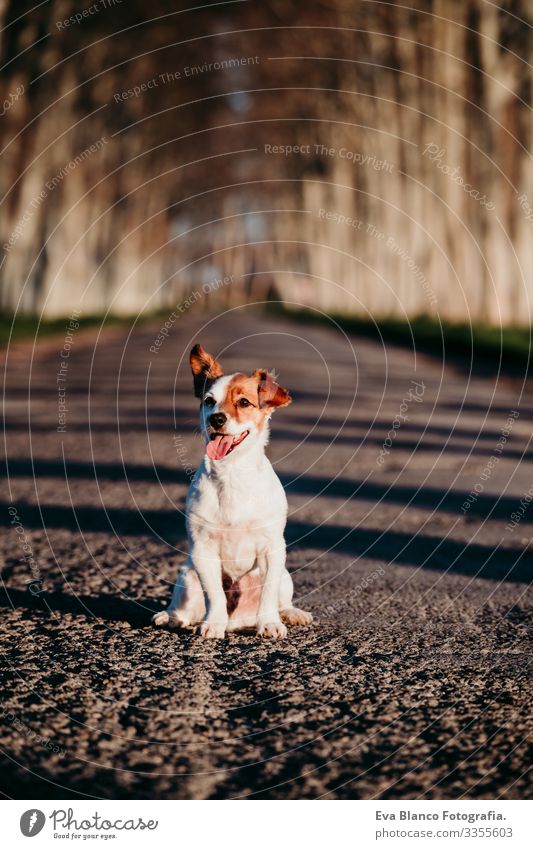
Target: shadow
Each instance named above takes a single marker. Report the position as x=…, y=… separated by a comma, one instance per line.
x=474, y=407
x=112, y=427
x=97, y=471
x=113, y=608
x=415, y=444
x=18, y=783
x=430, y=498
x=393, y=547
x=485, y=506
x=365, y=424
x=103, y=393
x=165, y=524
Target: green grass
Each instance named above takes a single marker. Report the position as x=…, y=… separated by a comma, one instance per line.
x=25, y=326
x=490, y=348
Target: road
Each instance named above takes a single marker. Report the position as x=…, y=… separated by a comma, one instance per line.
x=413, y=680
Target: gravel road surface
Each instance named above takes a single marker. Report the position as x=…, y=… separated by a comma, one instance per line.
x=409, y=486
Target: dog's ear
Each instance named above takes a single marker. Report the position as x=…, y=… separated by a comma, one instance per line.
x=205, y=368
x=270, y=393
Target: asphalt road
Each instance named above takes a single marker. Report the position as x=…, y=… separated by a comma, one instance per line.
x=413, y=681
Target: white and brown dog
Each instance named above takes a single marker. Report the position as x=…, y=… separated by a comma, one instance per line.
x=235, y=575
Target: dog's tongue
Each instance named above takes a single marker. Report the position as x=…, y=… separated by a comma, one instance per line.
x=219, y=446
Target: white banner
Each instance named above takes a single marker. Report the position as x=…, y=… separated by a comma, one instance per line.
x=314, y=824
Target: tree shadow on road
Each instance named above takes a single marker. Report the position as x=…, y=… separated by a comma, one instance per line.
x=484, y=506
x=113, y=608
x=392, y=547
x=421, y=551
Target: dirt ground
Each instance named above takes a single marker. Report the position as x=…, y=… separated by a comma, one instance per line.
x=413, y=681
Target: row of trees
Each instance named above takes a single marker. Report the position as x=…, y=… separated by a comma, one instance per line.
x=359, y=157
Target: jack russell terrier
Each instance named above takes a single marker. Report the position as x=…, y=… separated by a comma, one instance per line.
x=235, y=575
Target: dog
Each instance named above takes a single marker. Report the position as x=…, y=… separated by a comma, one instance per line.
x=235, y=576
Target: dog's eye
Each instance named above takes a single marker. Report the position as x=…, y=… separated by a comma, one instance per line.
x=209, y=402
x=243, y=402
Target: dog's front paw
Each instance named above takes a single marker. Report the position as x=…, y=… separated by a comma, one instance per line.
x=212, y=630
x=170, y=618
x=161, y=618
x=295, y=616
x=272, y=630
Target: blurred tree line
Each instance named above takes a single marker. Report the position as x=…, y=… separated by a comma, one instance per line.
x=356, y=156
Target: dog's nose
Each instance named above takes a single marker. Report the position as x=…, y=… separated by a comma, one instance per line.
x=217, y=419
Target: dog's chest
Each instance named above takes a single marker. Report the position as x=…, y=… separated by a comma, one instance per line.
x=238, y=505
x=239, y=514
